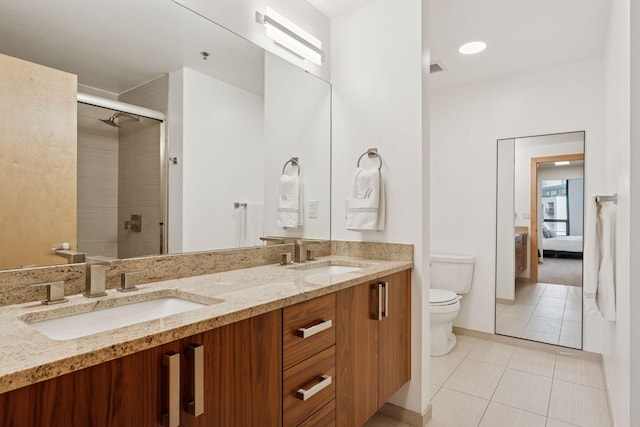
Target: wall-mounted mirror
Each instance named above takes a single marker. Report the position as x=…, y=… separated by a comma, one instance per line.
x=210, y=178
x=540, y=211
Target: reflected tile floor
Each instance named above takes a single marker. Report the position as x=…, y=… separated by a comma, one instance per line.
x=543, y=312
x=511, y=386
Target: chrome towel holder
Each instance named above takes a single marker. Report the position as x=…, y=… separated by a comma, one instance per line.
x=294, y=162
x=371, y=153
x=604, y=199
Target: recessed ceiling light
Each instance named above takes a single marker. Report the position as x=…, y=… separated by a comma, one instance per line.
x=472, y=47
x=562, y=163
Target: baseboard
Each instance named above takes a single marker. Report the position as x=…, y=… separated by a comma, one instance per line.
x=532, y=345
x=405, y=415
x=505, y=301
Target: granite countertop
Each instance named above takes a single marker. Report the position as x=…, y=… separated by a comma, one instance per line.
x=28, y=356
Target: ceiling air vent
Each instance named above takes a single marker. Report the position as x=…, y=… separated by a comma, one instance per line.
x=436, y=67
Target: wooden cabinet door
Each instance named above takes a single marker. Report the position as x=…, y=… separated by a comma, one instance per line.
x=242, y=384
x=122, y=392
x=356, y=357
x=242, y=374
x=395, y=337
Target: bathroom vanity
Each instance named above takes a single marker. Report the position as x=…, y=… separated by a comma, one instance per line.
x=277, y=345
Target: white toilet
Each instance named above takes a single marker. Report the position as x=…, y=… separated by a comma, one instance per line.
x=451, y=277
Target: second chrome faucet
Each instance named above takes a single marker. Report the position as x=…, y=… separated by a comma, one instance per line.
x=96, y=277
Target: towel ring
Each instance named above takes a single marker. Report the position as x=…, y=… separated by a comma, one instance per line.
x=294, y=162
x=371, y=152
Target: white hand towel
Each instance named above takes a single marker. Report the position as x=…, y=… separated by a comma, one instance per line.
x=606, y=297
x=367, y=207
x=240, y=219
x=290, y=202
x=591, y=257
x=599, y=285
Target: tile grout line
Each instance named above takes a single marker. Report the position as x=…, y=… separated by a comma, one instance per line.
x=553, y=377
x=497, y=384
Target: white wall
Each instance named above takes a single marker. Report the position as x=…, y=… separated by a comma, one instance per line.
x=635, y=212
x=297, y=124
x=466, y=121
x=377, y=90
x=222, y=157
x=239, y=17
x=505, y=227
x=616, y=352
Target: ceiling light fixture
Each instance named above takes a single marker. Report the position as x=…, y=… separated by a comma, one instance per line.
x=293, y=38
x=565, y=163
x=472, y=47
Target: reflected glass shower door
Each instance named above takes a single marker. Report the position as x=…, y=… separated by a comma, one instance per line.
x=120, y=203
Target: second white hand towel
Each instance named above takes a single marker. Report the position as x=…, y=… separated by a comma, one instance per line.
x=599, y=289
x=591, y=255
x=290, y=202
x=366, y=210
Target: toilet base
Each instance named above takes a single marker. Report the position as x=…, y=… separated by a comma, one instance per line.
x=442, y=339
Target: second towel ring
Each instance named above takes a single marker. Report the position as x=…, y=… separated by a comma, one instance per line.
x=294, y=162
x=371, y=152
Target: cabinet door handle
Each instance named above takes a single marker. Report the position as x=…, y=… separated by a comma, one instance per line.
x=315, y=329
x=305, y=394
x=385, y=286
x=196, y=356
x=171, y=362
x=376, y=301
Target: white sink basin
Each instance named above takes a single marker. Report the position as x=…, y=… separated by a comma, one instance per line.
x=332, y=269
x=93, y=322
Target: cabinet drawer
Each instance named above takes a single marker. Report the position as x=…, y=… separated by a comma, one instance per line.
x=316, y=375
x=325, y=417
x=315, y=319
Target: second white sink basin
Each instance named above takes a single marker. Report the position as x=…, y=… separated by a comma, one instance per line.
x=333, y=269
x=93, y=322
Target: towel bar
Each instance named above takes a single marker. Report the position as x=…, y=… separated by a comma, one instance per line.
x=294, y=162
x=371, y=152
x=604, y=199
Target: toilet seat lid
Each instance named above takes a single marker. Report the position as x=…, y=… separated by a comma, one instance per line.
x=442, y=297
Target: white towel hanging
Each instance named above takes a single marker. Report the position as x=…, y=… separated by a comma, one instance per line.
x=290, y=202
x=367, y=207
x=599, y=285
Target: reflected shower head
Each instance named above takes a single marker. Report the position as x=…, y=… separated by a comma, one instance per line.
x=111, y=121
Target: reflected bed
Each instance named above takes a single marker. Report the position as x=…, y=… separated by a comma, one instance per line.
x=562, y=247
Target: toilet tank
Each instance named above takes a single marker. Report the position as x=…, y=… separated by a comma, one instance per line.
x=452, y=272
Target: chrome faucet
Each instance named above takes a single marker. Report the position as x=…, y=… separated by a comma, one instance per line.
x=301, y=252
x=96, y=276
x=55, y=292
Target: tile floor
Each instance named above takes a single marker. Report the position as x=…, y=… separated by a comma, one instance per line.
x=543, y=312
x=489, y=384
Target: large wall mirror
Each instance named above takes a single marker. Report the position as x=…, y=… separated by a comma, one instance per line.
x=205, y=177
x=540, y=212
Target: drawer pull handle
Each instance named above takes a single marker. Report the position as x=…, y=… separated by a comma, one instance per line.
x=171, y=362
x=385, y=286
x=316, y=329
x=304, y=394
x=196, y=355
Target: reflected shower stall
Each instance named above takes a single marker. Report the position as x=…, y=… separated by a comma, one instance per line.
x=121, y=211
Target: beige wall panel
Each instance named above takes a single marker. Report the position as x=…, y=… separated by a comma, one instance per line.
x=38, y=157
